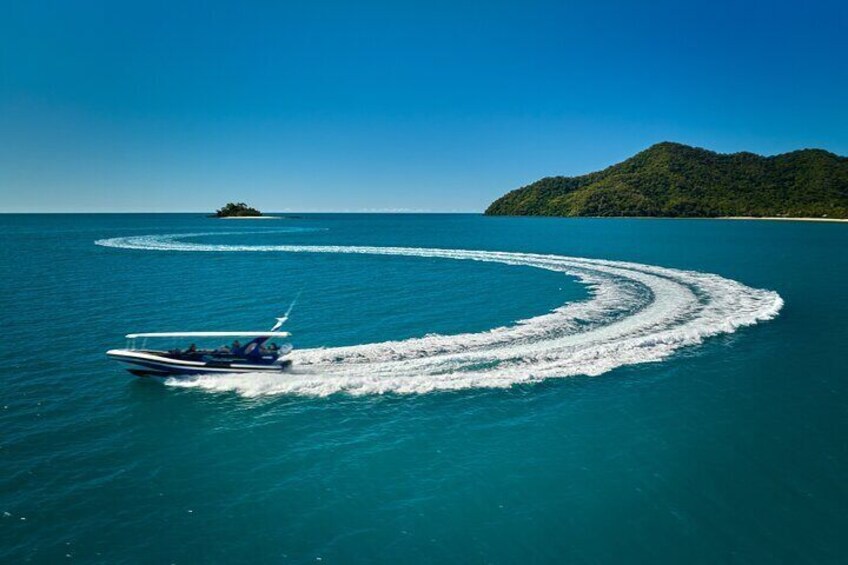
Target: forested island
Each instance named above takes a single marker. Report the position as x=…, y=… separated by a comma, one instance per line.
x=675, y=180
x=237, y=210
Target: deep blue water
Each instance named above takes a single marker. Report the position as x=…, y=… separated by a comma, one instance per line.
x=732, y=450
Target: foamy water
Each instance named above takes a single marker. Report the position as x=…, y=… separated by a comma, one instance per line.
x=634, y=314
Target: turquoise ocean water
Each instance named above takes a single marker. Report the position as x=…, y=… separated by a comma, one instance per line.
x=711, y=431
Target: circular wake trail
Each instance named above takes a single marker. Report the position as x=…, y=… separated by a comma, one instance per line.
x=634, y=314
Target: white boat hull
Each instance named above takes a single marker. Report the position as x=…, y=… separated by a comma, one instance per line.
x=154, y=363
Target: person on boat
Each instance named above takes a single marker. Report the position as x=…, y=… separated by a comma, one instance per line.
x=191, y=348
x=253, y=350
x=236, y=346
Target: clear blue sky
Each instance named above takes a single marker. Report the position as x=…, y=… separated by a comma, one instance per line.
x=443, y=106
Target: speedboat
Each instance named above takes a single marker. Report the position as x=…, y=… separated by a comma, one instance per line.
x=255, y=356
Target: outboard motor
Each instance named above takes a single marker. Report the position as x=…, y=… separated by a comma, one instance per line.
x=284, y=350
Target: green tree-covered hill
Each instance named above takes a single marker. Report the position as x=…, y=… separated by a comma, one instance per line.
x=238, y=209
x=674, y=180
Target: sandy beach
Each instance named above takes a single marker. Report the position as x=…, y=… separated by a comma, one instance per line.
x=782, y=219
x=251, y=218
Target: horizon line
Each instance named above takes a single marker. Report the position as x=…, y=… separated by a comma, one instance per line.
x=212, y=214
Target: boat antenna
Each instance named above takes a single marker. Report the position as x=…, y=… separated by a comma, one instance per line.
x=281, y=321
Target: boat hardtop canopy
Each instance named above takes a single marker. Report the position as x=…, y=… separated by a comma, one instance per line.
x=209, y=334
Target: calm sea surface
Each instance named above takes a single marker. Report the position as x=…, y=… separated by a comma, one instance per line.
x=734, y=448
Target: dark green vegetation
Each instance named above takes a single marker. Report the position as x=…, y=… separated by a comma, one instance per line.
x=236, y=209
x=674, y=180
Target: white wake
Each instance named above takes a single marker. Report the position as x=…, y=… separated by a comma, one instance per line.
x=634, y=314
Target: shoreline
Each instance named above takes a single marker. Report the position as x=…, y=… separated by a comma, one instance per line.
x=782, y=219
x=735, y=218
x=250, y=218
